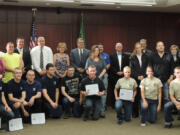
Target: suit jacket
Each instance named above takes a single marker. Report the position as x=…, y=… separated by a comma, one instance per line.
x=26, y=58
x=114, y=68
x=75, y=58
x=136, y=70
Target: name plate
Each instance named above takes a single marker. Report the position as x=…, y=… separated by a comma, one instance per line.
x=126, y=94
x=15, y=124
x=37, y=118
x=92, y=89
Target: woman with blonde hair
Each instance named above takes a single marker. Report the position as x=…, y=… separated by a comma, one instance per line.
x=61, y=60
x=138, y=63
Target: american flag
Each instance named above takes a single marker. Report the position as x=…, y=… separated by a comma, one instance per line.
x=33, y=39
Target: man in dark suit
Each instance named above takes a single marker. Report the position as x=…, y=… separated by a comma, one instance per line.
x=78, y=57
x=25, y=55
x=118, y=61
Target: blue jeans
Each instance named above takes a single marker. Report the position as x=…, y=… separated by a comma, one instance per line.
x=92, y=105
x=76, y=107
x=149, y=113
x=128, y=109
x=168, y=107
x=104, y=97
x=165, y=92
x=51, y=112
x=4, y=114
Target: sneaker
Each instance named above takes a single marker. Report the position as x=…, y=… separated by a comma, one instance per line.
x=168, y=125
x=143, y=124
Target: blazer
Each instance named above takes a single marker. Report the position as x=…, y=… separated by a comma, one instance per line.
x=26, y=58
x=114, y=68
x=136, y=70
x=75, y=58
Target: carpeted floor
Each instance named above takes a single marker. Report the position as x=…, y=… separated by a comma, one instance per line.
x=107, y=126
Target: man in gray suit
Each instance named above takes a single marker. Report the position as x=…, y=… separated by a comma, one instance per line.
x=78, y=57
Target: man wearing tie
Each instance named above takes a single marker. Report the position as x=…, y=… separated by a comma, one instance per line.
x=25, y=55
x=41, y=55
x=118, y=61
x=78, y=57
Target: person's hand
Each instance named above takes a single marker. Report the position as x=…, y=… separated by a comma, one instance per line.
x=8, y=109
x=100, y=94
x=54, y=105
x=85, y=93
x=17, y=105
x=31, y=101
x=26, y=114
x=60, y=75
x=140, y=77
x=132, y=100
x=159, y=108
x=43, y=72
x=25, y=103
x=145, y=105
x=120, y=73
x=117, y=98
x=71, y=99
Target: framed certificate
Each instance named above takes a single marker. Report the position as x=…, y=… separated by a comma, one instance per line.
x=126, y=94
x=37, y=118
x=92, y=89
x=15, y=124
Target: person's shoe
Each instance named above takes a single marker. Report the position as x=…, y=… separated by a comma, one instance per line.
x=168, y=125
x=120, y=122
x=143, y=124
x=85, y=118
x=102, y=115
x=66, y=116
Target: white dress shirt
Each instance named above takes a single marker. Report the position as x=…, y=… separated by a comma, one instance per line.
x=139, y=59
x=79, y=50
x=35, y=57
x=120, y=60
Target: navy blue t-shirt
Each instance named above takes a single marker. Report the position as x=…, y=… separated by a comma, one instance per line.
x=50, y=84
x=16, y=88
x=32, y=89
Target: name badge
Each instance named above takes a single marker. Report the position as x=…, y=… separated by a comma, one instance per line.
x=0, y=88
x=15, y=124
x=37, y=118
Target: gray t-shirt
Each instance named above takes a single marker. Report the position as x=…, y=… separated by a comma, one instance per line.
x=100, y=65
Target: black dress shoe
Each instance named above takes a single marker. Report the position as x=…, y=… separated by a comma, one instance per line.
x=168, y=126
